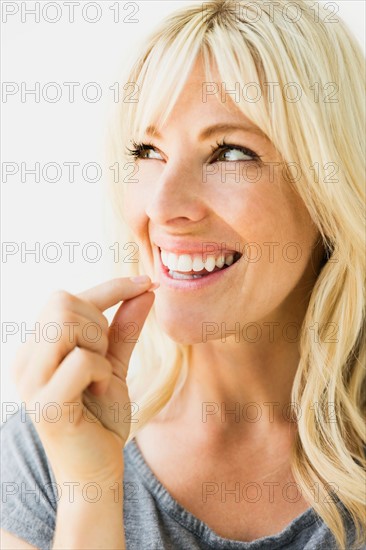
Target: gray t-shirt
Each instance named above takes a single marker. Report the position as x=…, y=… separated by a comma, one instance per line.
x=153, y=520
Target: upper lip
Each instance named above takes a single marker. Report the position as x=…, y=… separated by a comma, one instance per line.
x=207, y=246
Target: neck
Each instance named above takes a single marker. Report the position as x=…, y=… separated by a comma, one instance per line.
x=240, y=384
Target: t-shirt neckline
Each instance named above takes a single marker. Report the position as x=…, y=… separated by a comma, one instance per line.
x=166, y=502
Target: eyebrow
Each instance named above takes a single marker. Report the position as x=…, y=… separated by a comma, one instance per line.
x=208, y=132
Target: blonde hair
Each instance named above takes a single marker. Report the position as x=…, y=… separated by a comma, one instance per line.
x=324, y=126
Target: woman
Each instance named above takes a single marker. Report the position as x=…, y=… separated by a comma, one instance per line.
x=242, y=425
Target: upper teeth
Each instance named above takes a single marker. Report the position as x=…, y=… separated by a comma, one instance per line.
x=188, y=262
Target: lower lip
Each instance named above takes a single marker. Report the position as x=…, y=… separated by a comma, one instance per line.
x=192, y=284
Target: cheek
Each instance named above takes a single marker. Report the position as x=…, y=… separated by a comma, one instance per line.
x=137, y=195
x=275, y=233
x=134, y=211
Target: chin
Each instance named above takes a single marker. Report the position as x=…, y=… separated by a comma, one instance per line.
x=182, y=330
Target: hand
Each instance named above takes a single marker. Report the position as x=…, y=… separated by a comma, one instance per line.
x=84, y=377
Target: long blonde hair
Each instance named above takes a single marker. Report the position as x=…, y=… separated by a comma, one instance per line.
x=321, y=131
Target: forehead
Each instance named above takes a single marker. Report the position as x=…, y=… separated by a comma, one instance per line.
x=201, y=102
x=199, y=87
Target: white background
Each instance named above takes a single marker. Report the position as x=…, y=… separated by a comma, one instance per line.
x=65, y=132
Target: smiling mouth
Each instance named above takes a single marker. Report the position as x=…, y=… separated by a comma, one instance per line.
x=195, y=266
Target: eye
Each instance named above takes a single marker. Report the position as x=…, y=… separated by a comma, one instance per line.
x=232, y=153
x=141, y=151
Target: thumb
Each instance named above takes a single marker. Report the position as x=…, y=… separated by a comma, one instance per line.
x=125, y=330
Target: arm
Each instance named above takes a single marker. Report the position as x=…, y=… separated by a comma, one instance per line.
x=83, y=524
x=85, y=448
x=11, y=542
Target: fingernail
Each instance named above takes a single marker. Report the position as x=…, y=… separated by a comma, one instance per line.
x=140, y=279
x=154, y=286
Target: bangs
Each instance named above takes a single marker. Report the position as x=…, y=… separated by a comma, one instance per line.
x=160, y=77
x=162, y=71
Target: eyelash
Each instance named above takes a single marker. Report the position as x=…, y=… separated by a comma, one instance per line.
x=224, y=145
x=138, y=148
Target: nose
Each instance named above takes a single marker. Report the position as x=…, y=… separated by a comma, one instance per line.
x=178, y=199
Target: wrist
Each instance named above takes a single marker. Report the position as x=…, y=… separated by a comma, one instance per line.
x=93, y=514
x=86, y=492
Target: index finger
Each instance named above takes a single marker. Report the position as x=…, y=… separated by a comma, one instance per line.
x=111, y=292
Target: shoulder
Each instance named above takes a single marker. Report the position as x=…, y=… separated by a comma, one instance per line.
x=22, y=449
x=28, y=488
